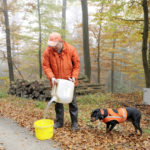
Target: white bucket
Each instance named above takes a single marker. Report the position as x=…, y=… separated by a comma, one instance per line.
x=63, y=91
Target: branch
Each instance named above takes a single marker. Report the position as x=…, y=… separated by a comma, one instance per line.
x=4, y=57
x=18, y=70
x=136, y=20
x=94, y=34
x=135, y=2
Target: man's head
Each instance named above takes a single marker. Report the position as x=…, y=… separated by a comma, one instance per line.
x=55, y=41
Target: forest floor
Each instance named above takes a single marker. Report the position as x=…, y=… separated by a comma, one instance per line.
x=91, y=136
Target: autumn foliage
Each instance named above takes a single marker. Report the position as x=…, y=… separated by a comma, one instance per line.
x=91, y=136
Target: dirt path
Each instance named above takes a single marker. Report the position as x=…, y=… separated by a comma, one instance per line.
x=14, y=137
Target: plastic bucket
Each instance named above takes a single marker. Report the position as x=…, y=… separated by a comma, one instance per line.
x=44, y=129
x=63, y=91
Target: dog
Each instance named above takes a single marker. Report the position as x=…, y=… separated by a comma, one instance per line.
x=115, y=116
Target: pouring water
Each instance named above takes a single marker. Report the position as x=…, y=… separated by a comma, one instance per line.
x=48, y=105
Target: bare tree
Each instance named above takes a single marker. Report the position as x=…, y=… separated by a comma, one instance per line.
x=8, y=42
x=87, y=62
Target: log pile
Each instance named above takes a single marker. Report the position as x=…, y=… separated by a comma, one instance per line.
x=41, y=90
x=33, y=90
x=85, y=87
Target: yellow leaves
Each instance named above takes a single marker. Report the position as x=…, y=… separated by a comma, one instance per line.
x=111, y=50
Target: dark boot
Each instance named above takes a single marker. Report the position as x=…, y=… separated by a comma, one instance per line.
x=73, y=109
x=75, y=126
x=59, y=109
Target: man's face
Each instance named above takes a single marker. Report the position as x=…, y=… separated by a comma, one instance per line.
x=58, y=46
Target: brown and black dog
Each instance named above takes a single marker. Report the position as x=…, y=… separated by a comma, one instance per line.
x=116, y=116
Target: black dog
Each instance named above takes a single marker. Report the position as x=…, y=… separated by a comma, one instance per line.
x=111, y=117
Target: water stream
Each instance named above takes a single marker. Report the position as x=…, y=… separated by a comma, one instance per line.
x=48, y=105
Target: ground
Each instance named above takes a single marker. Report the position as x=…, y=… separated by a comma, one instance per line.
x=91, y=136
x=14, y=137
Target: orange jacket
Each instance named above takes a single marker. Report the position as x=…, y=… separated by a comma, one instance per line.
x=121, y=116
x=63, y=65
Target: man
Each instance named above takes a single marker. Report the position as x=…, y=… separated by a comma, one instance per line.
x=61, y=61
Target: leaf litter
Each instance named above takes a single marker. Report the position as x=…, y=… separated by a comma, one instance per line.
x=91, y=136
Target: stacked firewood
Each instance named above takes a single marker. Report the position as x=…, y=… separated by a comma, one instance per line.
x=41, y=90
x=33, y=89
x=85, y=87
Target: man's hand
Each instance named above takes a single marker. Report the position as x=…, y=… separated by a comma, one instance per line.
x=72, y=79
x=53, y=81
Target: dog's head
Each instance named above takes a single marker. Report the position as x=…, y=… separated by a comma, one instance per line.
x=96, y=114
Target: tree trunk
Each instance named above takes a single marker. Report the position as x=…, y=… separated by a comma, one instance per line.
x=87, y=62
x=112, y=67
x=98, y=56
x=63, y=25
x=40, y=39
x=112, y=59
x=8, y=43
x=149, y=55
x=144, y=44
x=99, y=51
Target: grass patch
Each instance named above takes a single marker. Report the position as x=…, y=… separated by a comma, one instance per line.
x=146, y=131
x=3, y=92
x=93, y=98
x=40, y=105
x=88, y=103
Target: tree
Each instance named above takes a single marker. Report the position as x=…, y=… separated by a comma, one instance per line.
x=112, y=59
x=87, y=62
x=8, y=42
x=63, y=24
x=97, y=32
x=50, y=21
x=40, y=39
x=146, y=64
x=113, y=66
x=128, y=37
x=98, y=49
